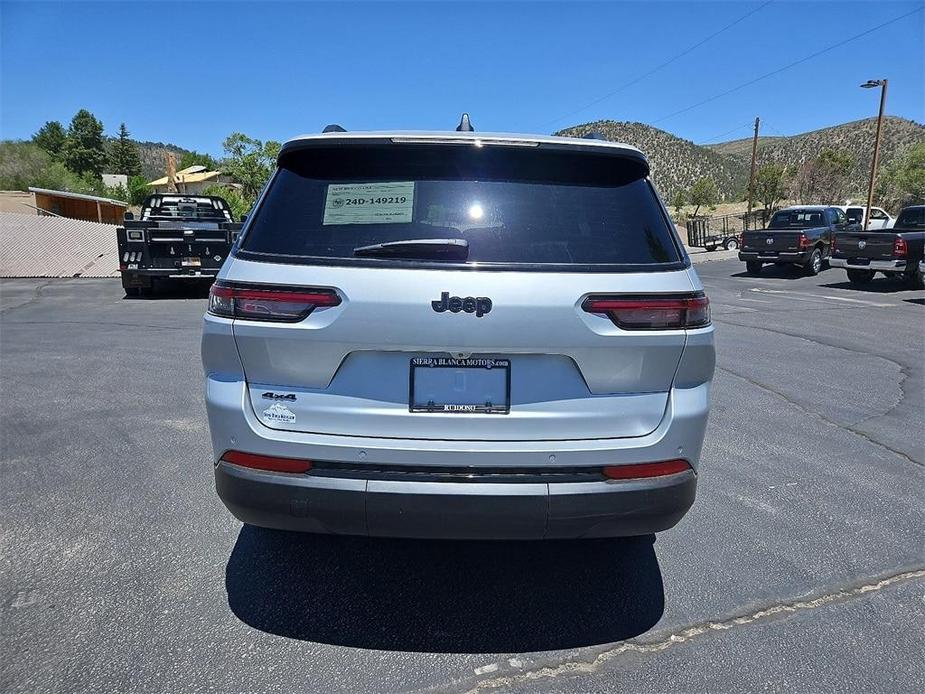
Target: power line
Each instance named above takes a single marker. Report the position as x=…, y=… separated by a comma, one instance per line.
x=770, y=127
x=659, y=67
x=786, y=67
x=728, y=132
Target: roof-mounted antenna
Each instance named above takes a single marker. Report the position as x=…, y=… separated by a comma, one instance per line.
x=593, y=135
x=334, y=128
x=465, y=125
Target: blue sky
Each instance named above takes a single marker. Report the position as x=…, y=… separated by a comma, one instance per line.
x=190, y=73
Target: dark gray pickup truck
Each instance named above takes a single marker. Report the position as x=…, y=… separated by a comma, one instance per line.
x=799, y=235
x=896, y=251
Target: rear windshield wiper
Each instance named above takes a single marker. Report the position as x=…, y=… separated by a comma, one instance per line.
x=429, y=249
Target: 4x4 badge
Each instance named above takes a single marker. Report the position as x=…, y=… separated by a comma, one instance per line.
x=479, y=305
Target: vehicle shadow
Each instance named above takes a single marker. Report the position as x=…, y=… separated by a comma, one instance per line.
x=879, y=285
x=444, y=597
x=180, y=290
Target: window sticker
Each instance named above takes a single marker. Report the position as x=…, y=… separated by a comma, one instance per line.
x=369, y=203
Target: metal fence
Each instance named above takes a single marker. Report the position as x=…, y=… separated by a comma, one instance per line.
x=36, y=246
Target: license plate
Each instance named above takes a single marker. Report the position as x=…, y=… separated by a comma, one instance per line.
x=859, y=261
x=192, y=262
x=475, y=385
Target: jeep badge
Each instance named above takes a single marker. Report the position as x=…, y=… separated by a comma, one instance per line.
x=479, y=305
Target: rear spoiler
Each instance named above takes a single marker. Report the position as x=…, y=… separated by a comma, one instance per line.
x=588, y=145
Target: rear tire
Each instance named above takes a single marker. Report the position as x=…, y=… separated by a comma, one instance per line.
x=915, y=279
x=814, y=266
x=132, y=291
x=753, y=267
x=860, y=276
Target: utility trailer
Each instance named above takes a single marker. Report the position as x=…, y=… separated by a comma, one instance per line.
x=177, y=238
x=715, y=232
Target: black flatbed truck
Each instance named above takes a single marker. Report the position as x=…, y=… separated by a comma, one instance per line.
x=177, y=238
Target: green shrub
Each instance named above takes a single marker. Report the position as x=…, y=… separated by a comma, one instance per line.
x=233, y=197
x=137, y=190
x=116, y=192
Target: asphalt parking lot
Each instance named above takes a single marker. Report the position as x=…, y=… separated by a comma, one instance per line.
x=801, y=566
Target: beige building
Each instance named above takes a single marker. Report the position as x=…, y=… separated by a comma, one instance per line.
x=192, y=180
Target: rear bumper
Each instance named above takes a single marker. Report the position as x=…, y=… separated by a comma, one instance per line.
x=142, y=277
x=875, y=265
x=453, y=510
x=799, y=257
x=471, y=510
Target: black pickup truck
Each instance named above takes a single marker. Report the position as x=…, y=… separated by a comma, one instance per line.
x=799, y=235
x=176, y=238
x=896, y=251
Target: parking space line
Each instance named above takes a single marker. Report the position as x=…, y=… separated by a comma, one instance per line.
x=757, y=301
x=819, y=297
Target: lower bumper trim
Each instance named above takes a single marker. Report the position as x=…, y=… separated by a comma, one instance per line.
x=799, y=258
x=455, y=510
x=174, y=273
x=875, y=265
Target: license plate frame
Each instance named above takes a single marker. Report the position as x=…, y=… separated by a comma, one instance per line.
x=475, y=364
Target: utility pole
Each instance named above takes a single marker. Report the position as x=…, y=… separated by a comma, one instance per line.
x=751, y=177
x=873, y=167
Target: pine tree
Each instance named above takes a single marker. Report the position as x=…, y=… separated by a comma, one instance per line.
x=51, y=137
x=85, y=150
x=123, y=155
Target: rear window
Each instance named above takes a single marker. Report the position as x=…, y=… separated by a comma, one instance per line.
x=514, y=206
x=911, y=217
x=797, y=219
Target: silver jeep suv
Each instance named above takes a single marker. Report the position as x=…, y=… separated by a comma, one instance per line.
x=458, y=335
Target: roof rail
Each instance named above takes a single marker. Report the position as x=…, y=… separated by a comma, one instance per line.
x=593, y=135
x=465, y=125
x=334, y=128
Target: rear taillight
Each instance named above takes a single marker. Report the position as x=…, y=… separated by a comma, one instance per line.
x=267, y=462
x=900, y=248
x=804, y=242
x=642, y=470
x=286, y=305
x=742, y=240
x=652, y=312
x=834, y=245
